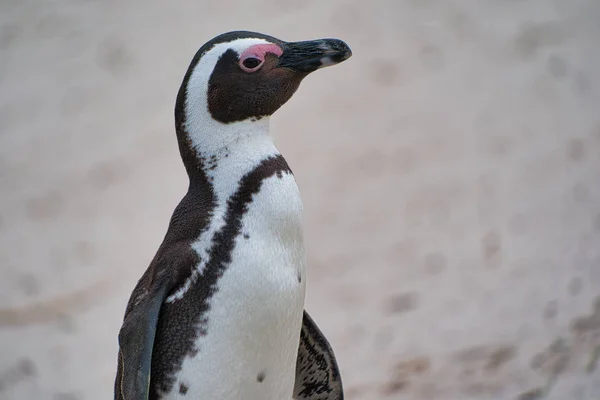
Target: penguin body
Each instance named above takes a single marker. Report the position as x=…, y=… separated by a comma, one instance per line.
x=219, y=313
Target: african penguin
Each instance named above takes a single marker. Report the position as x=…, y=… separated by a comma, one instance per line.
x=219, y=313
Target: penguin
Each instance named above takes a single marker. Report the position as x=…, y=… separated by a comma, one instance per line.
x=219, y=313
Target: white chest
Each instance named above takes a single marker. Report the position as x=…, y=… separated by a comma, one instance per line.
x=254, y=321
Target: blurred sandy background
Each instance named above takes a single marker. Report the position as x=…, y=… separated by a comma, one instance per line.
x=450, y=172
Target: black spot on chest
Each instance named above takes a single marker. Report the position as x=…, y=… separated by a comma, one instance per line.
x=183, y=389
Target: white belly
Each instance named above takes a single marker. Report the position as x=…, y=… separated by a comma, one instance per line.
x=254, y=321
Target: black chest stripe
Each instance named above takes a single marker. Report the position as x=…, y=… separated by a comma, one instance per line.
x=186, y=319
x=237, y=206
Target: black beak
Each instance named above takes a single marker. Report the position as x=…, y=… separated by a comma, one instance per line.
x=311, y=55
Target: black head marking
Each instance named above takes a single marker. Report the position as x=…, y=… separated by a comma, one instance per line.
x=223, y=38
x=236, y=95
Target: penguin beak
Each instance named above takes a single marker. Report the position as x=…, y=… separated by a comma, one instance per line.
x=308, y=56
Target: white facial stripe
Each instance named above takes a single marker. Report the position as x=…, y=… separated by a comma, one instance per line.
x=207, y=135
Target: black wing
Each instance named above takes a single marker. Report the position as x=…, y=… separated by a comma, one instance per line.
x=136, y=341
x=168, y=270
x=317, y=372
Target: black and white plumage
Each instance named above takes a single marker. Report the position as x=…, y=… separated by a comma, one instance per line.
x=219, y=313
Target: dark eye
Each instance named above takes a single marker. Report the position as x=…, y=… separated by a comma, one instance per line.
x=251, y=62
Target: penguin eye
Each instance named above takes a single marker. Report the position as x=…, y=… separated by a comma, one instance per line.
x=251, y=64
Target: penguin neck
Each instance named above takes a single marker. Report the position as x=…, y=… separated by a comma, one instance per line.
x=221, y=154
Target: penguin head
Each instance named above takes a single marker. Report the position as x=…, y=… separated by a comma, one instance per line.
x=246, y=76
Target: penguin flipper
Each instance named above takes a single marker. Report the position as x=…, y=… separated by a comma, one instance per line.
x=136, y=341
x=168, y=270
x=317, y=372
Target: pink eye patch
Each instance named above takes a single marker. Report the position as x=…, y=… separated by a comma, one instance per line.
x=260, y=50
